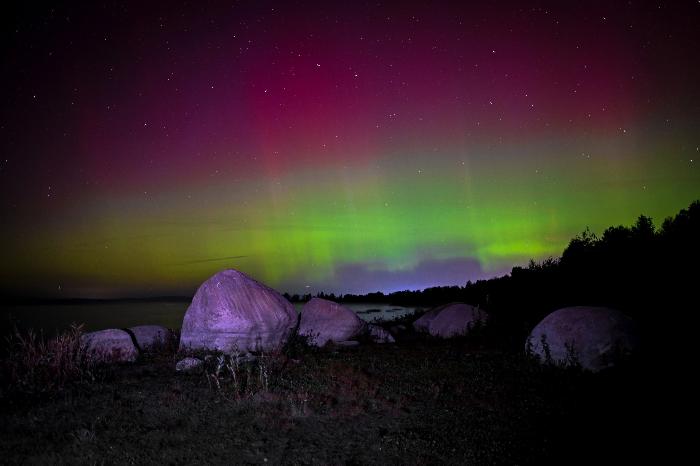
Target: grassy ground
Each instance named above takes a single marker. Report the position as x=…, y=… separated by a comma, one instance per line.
x=419, y=401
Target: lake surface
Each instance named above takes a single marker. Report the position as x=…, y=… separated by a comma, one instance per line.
x=96, y=316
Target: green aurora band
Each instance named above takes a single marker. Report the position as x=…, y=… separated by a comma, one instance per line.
x=294, y=233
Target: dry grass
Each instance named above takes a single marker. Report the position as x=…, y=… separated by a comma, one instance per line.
x=33, y=364
x=423, y=401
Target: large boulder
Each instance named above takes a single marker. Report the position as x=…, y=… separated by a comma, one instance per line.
x=449, y=320
x=231, y=311
x=422, y=324
x=593, y=337
x=150, y=336
x=323, y=321
x=111, y=345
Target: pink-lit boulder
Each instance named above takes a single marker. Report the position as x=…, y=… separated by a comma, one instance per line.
x=231, y=311
x=323, y=321
x=449, y=320
x=593, y=337
x=149, y=337
x=111, y=345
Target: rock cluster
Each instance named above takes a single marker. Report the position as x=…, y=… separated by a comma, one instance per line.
x=234, y=314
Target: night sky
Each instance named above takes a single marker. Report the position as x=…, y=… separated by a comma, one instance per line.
x=336, y=146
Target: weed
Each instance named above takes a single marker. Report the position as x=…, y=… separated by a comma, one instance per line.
x=34, y=364
x=571, y=359
x=242, y=375
x=529, y=349
x=298, y=403
x=547, y=351
x=297, y=345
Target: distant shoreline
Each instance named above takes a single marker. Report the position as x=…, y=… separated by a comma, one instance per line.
x=23, y=301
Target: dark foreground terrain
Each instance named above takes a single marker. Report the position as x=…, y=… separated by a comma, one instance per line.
x=470, y=400
x=420, y=401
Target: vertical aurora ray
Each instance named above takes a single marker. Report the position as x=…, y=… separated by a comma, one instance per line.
x=312, y=152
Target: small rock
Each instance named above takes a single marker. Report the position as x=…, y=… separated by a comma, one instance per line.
x=247, y=357
x=188, y=364
x=348, y=343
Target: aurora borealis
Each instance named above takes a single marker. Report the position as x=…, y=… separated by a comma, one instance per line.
x=334, y=146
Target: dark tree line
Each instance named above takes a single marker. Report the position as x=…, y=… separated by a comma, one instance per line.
x=647, y=272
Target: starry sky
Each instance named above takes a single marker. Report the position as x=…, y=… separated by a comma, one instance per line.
x=335, y=146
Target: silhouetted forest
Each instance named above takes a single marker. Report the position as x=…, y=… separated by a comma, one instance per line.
x=644, y=271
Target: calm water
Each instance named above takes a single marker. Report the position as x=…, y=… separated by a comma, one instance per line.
x=96, y=316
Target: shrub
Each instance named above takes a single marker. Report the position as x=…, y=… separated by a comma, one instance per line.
x=298, y=345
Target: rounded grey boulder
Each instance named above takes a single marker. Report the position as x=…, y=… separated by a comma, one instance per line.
x=231, y=311
x=422, y=324
x=449, y=320
x=149, y=336
x=323, y=321
x=593, y=337
x=111, y=345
